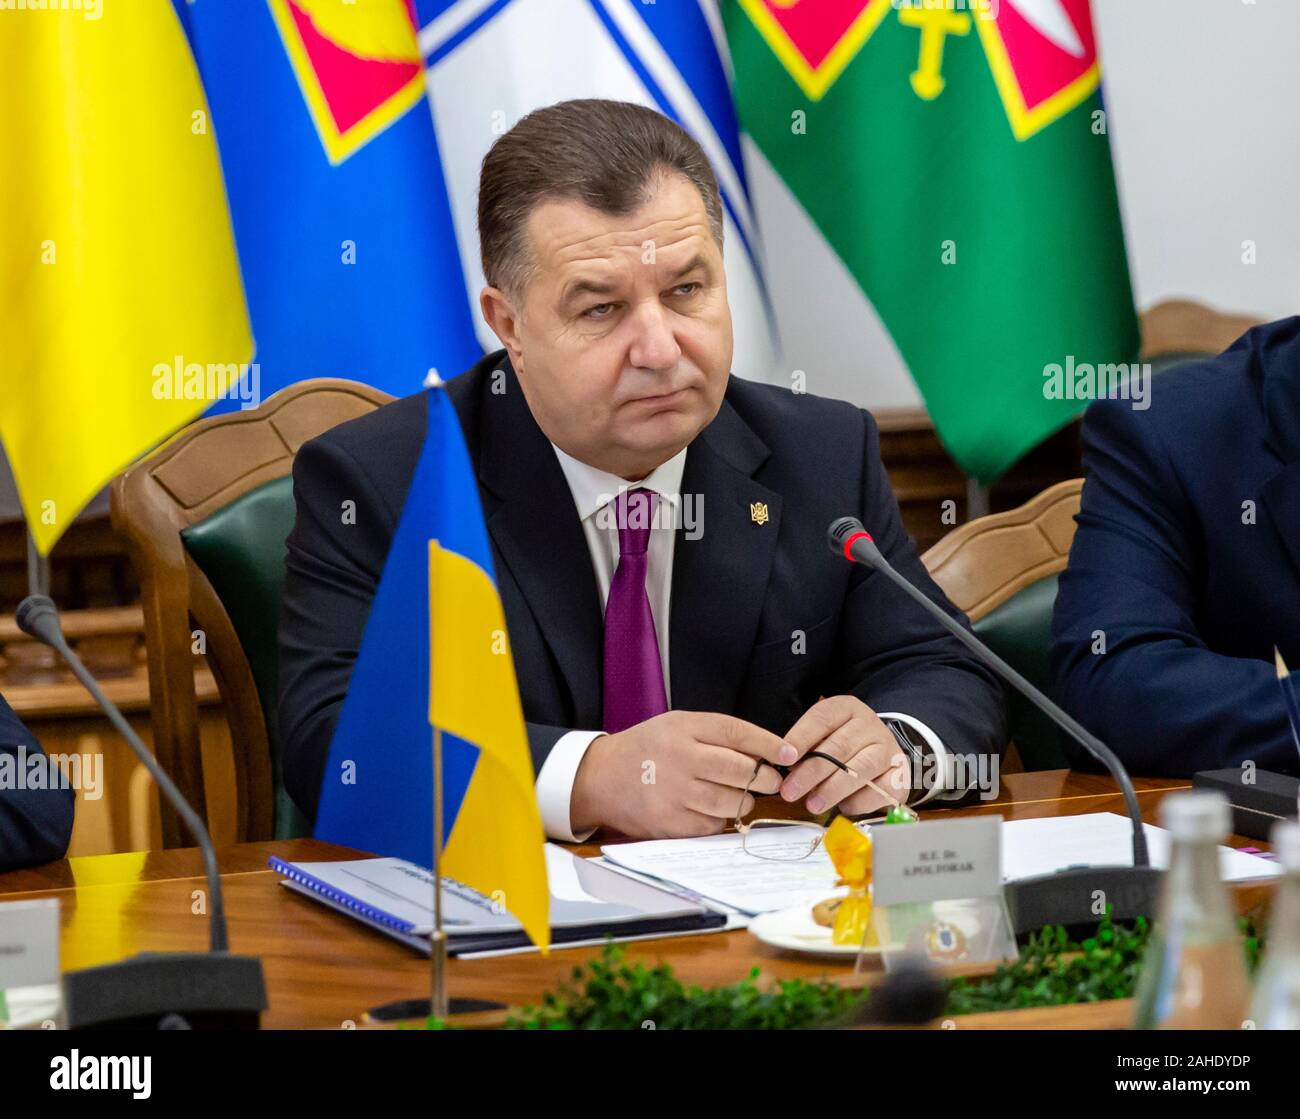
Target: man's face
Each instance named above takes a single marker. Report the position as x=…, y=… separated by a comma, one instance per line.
x=623, y=341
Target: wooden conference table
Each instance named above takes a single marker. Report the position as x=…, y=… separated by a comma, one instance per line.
x=324, y=971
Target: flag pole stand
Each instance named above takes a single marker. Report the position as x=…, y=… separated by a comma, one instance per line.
x=977, y=500
x=38, y=568
x=438, y=1005
x=438, y=955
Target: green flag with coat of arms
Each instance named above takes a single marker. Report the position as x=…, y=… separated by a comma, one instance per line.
x=955, y=154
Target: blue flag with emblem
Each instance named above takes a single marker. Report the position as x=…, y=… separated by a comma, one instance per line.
x=342, y=224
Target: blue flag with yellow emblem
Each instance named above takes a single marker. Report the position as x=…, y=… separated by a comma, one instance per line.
x=436, y=653
x=337, y=197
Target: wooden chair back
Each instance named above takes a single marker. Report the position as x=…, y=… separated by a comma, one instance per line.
x=206, y=467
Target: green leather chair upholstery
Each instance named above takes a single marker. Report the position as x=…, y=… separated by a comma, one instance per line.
x=204, y=520
x=240, y=548
x=1002, y=570
x=1020, y=632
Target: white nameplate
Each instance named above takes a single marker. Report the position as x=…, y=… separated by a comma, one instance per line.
x=29, y=943
x=937, y=860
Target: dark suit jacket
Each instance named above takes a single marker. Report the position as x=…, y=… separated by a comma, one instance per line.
x=1187, y=557
x=739, y=592
x=35, y=824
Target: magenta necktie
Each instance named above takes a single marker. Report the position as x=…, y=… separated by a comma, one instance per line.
x=634, y=675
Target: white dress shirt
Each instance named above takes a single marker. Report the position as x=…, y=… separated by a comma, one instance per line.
x=593, y=490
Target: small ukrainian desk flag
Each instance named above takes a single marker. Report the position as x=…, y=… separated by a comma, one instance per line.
x=436, y=654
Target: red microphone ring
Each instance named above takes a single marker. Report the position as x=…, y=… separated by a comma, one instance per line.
x=848, y=544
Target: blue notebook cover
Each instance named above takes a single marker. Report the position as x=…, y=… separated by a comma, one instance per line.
x=588, y=901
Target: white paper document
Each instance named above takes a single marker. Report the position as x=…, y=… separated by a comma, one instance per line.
x=1031, y=847
x=717, y=869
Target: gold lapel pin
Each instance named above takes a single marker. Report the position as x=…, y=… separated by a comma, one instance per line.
x=758, y=512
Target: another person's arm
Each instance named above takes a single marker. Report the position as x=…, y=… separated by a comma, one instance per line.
x=35, y=823
x=1127, y=657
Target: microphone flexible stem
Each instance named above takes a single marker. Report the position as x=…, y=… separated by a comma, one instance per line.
x=1094, y=745
x=217, y=938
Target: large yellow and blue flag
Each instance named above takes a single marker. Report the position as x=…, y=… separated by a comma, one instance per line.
x=120, y=296
x=436, y=654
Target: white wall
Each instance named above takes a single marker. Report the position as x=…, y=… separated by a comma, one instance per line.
x=1203, y=99
x=1204, y=96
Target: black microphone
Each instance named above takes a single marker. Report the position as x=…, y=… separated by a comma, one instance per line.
x=212, y=988
x=911, y=994
x=1067, y=896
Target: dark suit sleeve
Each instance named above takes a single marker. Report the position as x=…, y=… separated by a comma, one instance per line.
x=1162, y=700
x=336, y=554
x=898, y=657
x=35, y=823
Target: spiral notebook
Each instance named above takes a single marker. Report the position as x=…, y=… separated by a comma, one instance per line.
x=588, y=902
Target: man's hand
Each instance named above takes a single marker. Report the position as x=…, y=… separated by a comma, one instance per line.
x=846, y=728
x=680, y=773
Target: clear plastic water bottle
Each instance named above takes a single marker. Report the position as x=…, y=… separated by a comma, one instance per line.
x=1194, y=972
x=1276, y=1005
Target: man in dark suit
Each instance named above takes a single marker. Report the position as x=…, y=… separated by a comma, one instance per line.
x=658, y=526
x=1185, y=569
x=35, y=802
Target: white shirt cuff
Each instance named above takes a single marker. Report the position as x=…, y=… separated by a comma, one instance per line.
x=943, y=787
x=555, y=784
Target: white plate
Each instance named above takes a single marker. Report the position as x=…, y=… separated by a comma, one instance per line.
x=794, y=930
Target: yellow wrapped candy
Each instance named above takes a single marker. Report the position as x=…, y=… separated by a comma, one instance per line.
x=850, y=853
